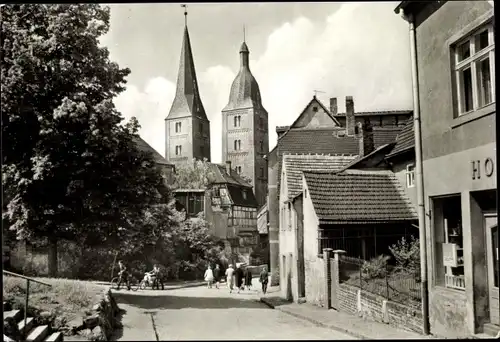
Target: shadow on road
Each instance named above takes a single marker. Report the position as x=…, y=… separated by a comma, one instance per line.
x=118, y=332
x=180, y=302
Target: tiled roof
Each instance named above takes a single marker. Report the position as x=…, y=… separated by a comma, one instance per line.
x=356, y=196
x=385, y=135
x=296, y=163
x=221, y=175
x=145, y=147
x=321, y=140
x=379, y=112
x=327, y=111
x=405, y=140
x=237, y=197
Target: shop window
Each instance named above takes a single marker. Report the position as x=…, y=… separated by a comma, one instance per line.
x=449, y=242
x=410, y=176
x=474, y=67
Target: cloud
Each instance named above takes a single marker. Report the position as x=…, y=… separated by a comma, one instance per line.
x=150, y=106
x=361, y=49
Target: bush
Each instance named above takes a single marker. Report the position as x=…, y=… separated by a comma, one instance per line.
x=407, y=255
x=375, y=268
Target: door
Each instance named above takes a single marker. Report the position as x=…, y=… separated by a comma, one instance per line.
x=491, y=225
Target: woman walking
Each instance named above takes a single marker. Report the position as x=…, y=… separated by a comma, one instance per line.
x=217, y=276
x=264, y=278
x=209, y=277
x=229, y=278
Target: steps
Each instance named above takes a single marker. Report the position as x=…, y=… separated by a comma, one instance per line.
x=34, y=333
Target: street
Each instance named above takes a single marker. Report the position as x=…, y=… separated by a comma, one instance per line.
x=199, y=313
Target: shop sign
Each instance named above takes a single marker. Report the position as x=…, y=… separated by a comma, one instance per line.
x=450, y=255
x=485, y=167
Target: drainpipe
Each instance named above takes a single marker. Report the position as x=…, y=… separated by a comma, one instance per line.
x=419, y=175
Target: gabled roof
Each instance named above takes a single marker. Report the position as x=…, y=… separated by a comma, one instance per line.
x=296, y=163
x=405, y=141
x=222, y=177
x=145, y=147
x=356, y=196
x=314, y=99
x=382, y=149
x=187, y=101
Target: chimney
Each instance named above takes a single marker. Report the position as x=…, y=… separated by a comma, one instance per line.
x=333, y=105
x=228, y=167
x=350, y=121
x=365, y=138
x=280, y=130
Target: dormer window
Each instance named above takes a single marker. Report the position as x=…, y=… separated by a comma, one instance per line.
x=178, y=127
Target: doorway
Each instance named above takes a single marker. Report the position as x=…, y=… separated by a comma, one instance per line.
x=491, y=227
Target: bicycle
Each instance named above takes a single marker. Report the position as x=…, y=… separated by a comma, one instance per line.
x=134, y=284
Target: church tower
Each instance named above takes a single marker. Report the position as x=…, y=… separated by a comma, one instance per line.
x=245, y=133
x=187, y=128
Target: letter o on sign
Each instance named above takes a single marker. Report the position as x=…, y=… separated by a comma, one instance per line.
x=489, y=167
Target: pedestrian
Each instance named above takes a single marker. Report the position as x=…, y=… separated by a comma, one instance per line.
x=209, y=277
x=248, y=278
x=264, y=278
x=123, y=275
x=229, y=277
x=158, y=278
x=238, y=275
x=217, y=276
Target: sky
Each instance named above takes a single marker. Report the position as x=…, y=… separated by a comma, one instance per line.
x=340, y=49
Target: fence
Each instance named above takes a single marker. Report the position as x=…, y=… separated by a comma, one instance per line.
x=390, y=282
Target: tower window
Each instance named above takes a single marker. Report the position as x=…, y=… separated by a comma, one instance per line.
x=178, y=150
x=178, y=126
x=238, y=169
x=261, y=145
x=237, y=121
x=262, y=172
x=237, y=145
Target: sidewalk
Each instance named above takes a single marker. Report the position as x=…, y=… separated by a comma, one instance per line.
x=342, y=322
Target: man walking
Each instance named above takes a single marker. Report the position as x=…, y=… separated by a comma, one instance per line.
x=229, y=277
x=248, y=278
x=123, y=276
x=238, y=275
x=217, y=276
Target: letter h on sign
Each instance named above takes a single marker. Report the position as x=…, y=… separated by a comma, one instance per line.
x=476, y=165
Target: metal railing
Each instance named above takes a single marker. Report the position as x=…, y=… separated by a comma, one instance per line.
x=28, y=279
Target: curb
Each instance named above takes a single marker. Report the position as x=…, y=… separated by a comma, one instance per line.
x=317, y=323
x=183, y=286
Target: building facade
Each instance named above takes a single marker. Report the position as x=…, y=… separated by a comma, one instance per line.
x=187, y=128
x=455, y=58
x=245, y=133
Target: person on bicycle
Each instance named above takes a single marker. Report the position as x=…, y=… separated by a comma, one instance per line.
x=123, y=275
x=155, y=273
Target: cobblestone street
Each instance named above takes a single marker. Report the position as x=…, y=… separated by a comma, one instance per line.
x=199, y=313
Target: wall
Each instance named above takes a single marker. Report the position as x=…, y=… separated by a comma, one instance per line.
x=448, y=313
x=183, y=138
x=261, y=133
x=201, y=138
x=441, y=133
x=399, y=169
x=360, y=303
x=314, y=119
x=286, y=240
x=273, y=216
x=313, y=265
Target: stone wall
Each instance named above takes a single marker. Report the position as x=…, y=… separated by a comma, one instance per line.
x=315, y=281
x=367, y=305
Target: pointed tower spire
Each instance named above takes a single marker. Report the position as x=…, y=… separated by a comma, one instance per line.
x=187, y=101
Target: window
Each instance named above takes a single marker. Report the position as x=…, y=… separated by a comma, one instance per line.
x=244, y=194
x=289, y=215
x=237, y=145
x=474, y=70
x=237, y=121
x=261, y=144
x=178, y=127
x=410, y=176
x=262, y=172
x=178, y=150
x=238, y=169
x=447, y=217
x=305, y=193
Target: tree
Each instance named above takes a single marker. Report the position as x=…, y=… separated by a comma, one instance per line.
x=71, y=169
x=194, y=175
